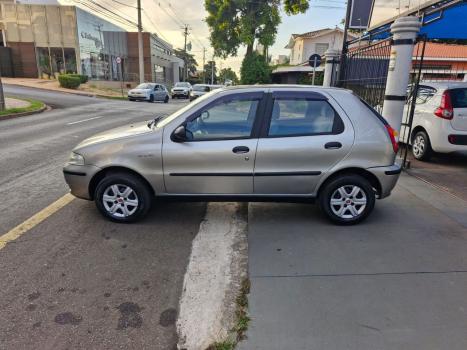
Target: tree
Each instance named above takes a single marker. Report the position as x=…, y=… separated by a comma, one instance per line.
x=228, y=74
x=241, y=22
x=188, y=58
x=255, y=69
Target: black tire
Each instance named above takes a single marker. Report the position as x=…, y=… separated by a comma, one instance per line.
x=141, y=191
x=131, y=99
x=421, y=146
x=173, y=97
x=151, y=99
x=166, y=99
x=350, y=206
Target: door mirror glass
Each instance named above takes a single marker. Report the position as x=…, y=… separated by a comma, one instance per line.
x=179, y=134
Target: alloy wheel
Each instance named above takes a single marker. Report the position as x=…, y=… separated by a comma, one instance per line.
x=120, y=201
x=348, y=202
x=418, y=146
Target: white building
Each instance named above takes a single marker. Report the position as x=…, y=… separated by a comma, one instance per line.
x=304, y=45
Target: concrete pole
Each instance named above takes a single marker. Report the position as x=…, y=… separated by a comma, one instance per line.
x=140, y=44
x=331, y=66
x=404, y=30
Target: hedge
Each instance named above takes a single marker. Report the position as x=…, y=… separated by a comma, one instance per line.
x=68, y=81
x=83, y=78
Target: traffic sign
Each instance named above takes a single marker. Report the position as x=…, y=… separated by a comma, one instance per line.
x=118, y=60
x=314, y=60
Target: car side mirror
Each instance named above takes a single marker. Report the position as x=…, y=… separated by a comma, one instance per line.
x=179, y=134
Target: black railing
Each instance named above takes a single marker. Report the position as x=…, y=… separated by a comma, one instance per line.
x=364, y=70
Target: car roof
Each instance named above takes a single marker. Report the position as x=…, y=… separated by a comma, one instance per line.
x=277, y=87
x=443, y=85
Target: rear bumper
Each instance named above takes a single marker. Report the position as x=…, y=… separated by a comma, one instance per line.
x=78, y=178
x=387, y=177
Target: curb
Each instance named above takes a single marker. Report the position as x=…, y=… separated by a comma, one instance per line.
x=218, y=264
x=85, y=94
x=24, y=114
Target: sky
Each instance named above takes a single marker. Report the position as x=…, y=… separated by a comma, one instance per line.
x=165, y=17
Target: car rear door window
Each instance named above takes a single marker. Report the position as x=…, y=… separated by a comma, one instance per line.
x=228, y=119
x=303, y=117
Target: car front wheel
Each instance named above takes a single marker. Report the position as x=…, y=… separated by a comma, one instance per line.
x=347, y=200
x=123, y=197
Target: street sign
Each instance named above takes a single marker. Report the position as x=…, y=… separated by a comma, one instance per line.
x=314, y=60
x=119, y=60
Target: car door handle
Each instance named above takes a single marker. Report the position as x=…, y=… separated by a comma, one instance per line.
x=333, y=145
x=240, y=149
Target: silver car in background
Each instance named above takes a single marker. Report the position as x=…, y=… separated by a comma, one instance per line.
x=149, y=92
x=248, y=143
x=202, y=89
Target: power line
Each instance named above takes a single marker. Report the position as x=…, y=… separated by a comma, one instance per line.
x=157, y=30
x=113, y=16
x=121, y=3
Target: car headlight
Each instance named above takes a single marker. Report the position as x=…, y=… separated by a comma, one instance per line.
x=76, y=159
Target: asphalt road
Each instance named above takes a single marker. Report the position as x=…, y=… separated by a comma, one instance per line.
x=76, y=280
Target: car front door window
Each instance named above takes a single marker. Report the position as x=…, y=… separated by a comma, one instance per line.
x=229, y=119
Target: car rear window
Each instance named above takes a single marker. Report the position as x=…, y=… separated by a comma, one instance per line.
x=459, y=97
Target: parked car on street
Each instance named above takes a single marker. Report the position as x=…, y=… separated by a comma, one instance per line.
x=202, y=89
x=149, y=92
x=250, y=143
x=439, y=121
x=181, y=89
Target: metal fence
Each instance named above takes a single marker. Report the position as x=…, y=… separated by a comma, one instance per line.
x=364, y=70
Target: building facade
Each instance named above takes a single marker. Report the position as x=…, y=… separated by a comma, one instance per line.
x=47, y=40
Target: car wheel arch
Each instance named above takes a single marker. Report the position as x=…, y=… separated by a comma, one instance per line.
x=115, y=170
x=416, y=130
x=372, y=179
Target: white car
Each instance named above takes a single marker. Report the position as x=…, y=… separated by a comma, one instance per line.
x=181, y=89
x=440, y=119
x=149, y=92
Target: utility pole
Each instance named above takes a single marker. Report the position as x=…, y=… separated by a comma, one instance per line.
x=185, y=33
x=140, y=44
x=212, y=71
x=204, y=65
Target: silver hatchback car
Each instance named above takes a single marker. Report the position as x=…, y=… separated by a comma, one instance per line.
x=251, y=143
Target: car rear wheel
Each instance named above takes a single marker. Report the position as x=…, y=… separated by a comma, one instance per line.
x=151, y=98
x=166, y=100
x=347, y=200
x=123, y=197
x=421, y=146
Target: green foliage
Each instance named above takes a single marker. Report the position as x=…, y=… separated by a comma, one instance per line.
x=255, y=70
x=188, y=58
x=83, y=78
x=228, y=74
x=68, y=81
x=242, y=22
x=307, y=79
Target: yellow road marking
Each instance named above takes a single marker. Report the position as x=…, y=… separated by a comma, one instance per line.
x=35, y=220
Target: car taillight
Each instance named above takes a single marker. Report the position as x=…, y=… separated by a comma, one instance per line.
x=445, y=110
x=393, y=136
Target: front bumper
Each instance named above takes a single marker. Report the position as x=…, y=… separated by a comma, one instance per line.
x=138, y=97
x=180, y=93
x=78, y=178
x=387, y=177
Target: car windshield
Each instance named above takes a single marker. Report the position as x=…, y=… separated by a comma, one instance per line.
x=144, y=86
x=182, y=85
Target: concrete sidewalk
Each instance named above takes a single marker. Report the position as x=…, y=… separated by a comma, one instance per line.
x=396, y=281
